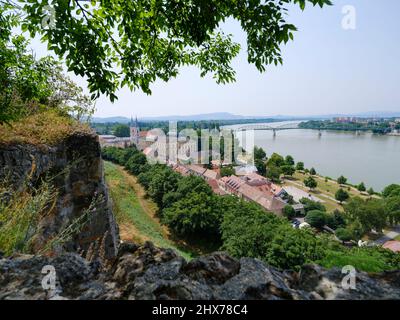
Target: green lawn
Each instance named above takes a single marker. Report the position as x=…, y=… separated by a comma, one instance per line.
x=136, y=215
x=325, y=187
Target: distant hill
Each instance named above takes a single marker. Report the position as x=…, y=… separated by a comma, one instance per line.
x=230, y=116
x=195, y=117
x=110, y=120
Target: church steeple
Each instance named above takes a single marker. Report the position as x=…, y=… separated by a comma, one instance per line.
x=134, y=128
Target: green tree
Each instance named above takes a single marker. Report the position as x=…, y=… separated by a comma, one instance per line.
x=344, y=234
x=261, y=167
x=311, y=183
x=392, y=207
x=136, y=163
x=30, y=85
x=367, y=215
x=310, y=205
x=300, y=166
x=289, y=160
x=361, y=187
x=275, y=160
x=292, y=248
x=195, y=215
x=341, y=195
x=185, y=186
x=391, y=190
x=313, y=172
x=288, y=170
x=273, y=172
x=247, y=230
x=227, y=171
x=289, y=212
x=122, y=130
x=342, y=180
x=316, y=218
x=133, y=44
x=371, y=191
x=160, y=181
x=259, y=153
x=335, y=220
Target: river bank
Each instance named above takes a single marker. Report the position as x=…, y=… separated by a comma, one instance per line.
x=362, y=157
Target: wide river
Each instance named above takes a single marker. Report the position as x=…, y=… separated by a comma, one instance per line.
x=373, y=159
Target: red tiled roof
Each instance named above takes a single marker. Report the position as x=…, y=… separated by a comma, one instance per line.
x=211, y=174
x=234, y=182
x=269, y=202
x=254, y=176
x=213, y=183
x=197, y=169
x=392, y=245
x=182, y=170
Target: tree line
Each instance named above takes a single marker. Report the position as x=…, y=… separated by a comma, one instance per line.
x=192, y=211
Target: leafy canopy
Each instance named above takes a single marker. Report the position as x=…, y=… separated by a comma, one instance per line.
x=117, y=43
x=29, y=85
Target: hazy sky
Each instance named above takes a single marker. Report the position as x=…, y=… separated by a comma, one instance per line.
x=326, y=70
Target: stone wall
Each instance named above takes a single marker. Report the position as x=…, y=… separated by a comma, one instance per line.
x=76, y=170
x=147, y=272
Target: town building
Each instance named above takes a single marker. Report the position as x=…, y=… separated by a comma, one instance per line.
x=124, y=142
x=113, y=141
x=392, y=245
x=250, y=188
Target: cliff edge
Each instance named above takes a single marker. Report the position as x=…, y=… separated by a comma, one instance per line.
x=94, y=265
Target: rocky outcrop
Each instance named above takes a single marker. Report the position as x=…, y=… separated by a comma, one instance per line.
x=75, y=169
x=92, y=266
x=147, y=272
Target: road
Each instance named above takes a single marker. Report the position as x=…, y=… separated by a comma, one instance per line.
x=389, y=235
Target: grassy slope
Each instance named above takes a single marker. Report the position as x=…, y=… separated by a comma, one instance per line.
x=327, y=188
x=136, y=215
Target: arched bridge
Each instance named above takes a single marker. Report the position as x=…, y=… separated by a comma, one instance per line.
x=268, y=126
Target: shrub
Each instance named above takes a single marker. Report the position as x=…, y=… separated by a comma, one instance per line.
x=227, y=171
x=300, y=166
x=335, y=220
x=391, y=190
x=310, y=182
x=361, y=187
x=341, y=195
x=344, y=234
x=289, y=212
x=342, y=180
x=316, y=218
x=312, y=205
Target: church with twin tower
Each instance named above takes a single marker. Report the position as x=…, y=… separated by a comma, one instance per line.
x=135, y=132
